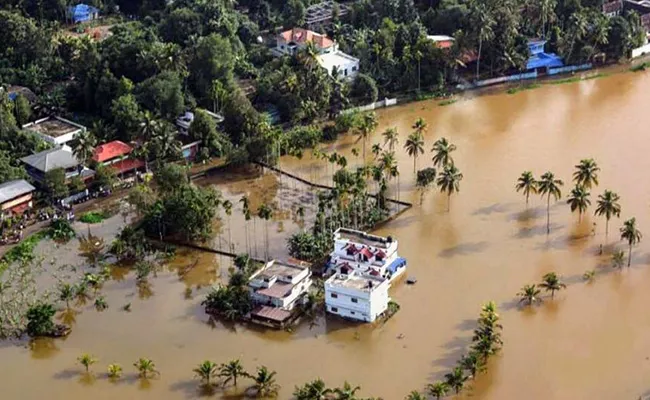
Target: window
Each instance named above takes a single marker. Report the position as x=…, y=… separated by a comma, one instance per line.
x=334, y=309
x=354, y=68
x=354, y=300
x=334, y=295
x=352, y=312
x=345, y=72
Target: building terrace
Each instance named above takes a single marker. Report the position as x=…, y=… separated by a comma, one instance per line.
x=55, y=130
x=363, y=238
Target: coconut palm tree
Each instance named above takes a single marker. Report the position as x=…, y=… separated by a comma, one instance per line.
x=66, y=293
x=449, y=181
x=266, y=213
x=114, y=371
x=148, y=126
x=86, y=360
x=586, y=173
x=227, y=208
x=608, y=206
x=347, y=392
x=632, y=235
x=232, y=370
x=484, y=21
x=375, y=150
x=246, y=211
x=391, y=138
x=414, y=146
x=438, y=389
x=551, y=283
x=549, y=186
x=206, y=371
x=471, y=363
x=618, y=259
x=84, y=147
x=579, y=200
x=529, y=294
x=146, y=368
x=527, y=184
x=456, y=379
x=265, y=385
x=366, y=128
x=442, y=149
x=314, y=390
x=420, y=126
x=415, y=395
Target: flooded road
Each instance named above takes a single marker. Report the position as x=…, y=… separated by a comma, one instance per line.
x=591, y=341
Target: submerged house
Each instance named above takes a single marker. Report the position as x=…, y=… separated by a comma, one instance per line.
x=358, y=297
x=82, y=13
x=15, y=197
x=539, y=60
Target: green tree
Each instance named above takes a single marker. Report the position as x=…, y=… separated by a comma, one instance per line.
x=206, y=371
x=66, y=293
x=23, y=110
x=529, y=294
x=366, y=127
x=204, y=128
x=415, y=395
x=126, y=116
x=146, y=368
x=181, y=25
x=314, y=390
x=39, y=320
x=266, y=213
x=442, y=149
x=608, y=206
x=86, y=360
x=293, y=13
x=55, y=185
x=114, y=371
x=438, y=389
x=347, y=392
x=424, y=180
x=231, y=371
x=618, y=259
x=162, y=94
x=84, y=146
x=579, y=200
x=212, y=58
x=165, y=145
x=551, y=283
x=364, y=90
x=483, y=21
x=105, y=176
x=391, y=138
x=265, y=384
x=586, y=173
x=549, y=186
x=449, y=181
x=414, y=146
x=471, y=363
x=9, y=172
x=456, y=379
x=527, y=184
x=632, y=235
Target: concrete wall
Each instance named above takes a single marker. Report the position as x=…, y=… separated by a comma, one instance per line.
x=372, y=106
x=569, y=68
x=639, y=51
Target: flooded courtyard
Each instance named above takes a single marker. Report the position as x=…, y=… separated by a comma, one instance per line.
x=591, y=341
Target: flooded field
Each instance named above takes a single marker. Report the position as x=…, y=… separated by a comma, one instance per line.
x=591, y=341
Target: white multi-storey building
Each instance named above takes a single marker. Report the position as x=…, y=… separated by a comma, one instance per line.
x=355, y=296
x=276, y=289
x=365, y=254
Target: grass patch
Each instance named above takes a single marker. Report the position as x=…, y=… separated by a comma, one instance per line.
x=640, y=67
x=93, y=217
x=447, y=102
x=24, y=249
x=518, y=89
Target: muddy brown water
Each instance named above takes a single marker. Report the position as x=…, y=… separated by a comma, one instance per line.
x=591, y=341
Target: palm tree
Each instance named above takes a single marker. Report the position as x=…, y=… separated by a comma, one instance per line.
x=227, y=208
x=146, y=368
x=438, y=389
x=442, y=149
x=114, y=371
x=549, y=186
x=449, y=182
x=608, y=206
x=314, y=390
x=66, y=293
x=246, y=211
x=527, y=184
x=551, y=283
x=86, y=360
x=206, y=371
x=414, y=145
x=471, y=363
x=456, y=379
x=415, y=395
x=85, y=146
x=633, y=236
x=529, y=294
x=265, y=385
x=231, y=371
x=148, y=126
x=586, y=173
x=391, y=138
x=266, y=213
x=366, y=127
x=484, y=22
x=579, y=200
x=375, y=150
x=347, y=392
x=420, y=126
x=618, y=259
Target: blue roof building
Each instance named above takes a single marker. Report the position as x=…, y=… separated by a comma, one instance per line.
x=82, y=13
x=540, y=59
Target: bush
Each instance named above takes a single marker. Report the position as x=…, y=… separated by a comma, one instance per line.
x=364, y=90
x=23, y=251
x=304, y=137
x=309, y=247
x=61, y=230
x=92, y=217
x=231, y=302
x=346, y=122
x=39, y=320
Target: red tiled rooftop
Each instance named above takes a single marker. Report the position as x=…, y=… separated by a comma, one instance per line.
x=272, y=313
x=612, y=6
x=380, y=253
x=301, y=36
x=278, y=290
x=110, y=150
x=127, y=165
x=366, y=252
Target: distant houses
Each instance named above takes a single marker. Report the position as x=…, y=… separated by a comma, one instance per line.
x=39, y=164
x=15, y=198
x=355, y=296
x=116, y=155
x=55, y=130
x=82, y=13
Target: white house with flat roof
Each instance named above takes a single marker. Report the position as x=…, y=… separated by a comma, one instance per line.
x=357, y=297
x=55, y=130
x=276, y=289
x=366, y=254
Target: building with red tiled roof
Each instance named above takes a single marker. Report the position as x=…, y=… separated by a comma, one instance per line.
x=297, y=38
x=116, y=155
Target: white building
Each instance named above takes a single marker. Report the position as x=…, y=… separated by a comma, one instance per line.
x=357, y=297
x=365, y=254
x=329, y=56
x=55, y=130
x=276, y=289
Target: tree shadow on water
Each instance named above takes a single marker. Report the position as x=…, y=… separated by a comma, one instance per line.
x=496, y=208
x=527, y=215
x=463, y=249
x=534, y=231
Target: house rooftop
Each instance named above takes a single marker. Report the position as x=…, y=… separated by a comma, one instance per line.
x=302, y=36
x=362, y=238
x=58, y=157
x=323, y=11
x=272, y=313
x=53, y=127
x=12, y=189
x=442, y=41
x=366, y=283
x=280, y=268
x=110, y=150
x=337, y=58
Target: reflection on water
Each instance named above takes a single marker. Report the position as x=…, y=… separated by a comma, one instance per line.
x=590, y=341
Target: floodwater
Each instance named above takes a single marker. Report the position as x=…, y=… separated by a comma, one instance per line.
x=591, y=341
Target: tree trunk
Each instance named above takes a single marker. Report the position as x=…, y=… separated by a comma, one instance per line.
x=229, y=235
x=448, y=201
x=478, y=60
x=629, y=257
x=606, y=227
x=527, y=196
x=415, y=160
x=548, y=214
